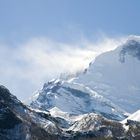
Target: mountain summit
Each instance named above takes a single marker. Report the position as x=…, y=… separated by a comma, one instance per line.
x=93, y=105
x=115, y=75
x=110, y=86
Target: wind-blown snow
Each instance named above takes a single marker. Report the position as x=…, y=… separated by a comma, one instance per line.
x=116, y=76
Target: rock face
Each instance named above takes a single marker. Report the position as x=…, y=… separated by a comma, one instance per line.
x=17, y=121
x=132, y=48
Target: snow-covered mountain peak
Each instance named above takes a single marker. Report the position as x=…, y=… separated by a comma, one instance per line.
x=134, y=117
x=115, y=75
x=74, y=98
x=81, y=107
x=132, y=48
x=133, y=37
x=132, y=121
x=107, y=87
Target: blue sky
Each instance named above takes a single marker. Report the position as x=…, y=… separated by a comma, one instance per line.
x=23, y=19
x=37, y=37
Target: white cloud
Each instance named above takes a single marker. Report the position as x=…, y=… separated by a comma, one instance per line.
x=25, y=67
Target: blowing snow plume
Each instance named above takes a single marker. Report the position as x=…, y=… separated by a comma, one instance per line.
x=26, y=66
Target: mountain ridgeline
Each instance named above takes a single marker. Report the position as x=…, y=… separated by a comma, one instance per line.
x=102, y=103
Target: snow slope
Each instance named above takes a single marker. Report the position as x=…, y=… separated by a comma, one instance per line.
x=134, y=117
x=109, y=87
x=75, y=99
x=116, y=75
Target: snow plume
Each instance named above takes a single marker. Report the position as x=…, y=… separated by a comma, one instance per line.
x=26, y=66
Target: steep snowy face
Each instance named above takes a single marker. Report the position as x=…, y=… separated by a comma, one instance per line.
x=75, y=99
x=132, y=123
x=116, y=75
x=134, y=117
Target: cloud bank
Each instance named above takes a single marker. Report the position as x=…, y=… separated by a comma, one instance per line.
x=25, y=67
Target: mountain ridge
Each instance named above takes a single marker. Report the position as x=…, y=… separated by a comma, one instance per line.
x=77, y=98
x=34, y=124
x=93, y=105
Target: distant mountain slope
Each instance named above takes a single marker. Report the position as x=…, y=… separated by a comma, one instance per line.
x=75, y=99
x=110, y=86
x=89, y=106
x=116, y=75
x=20, y=122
